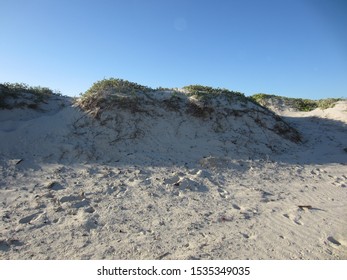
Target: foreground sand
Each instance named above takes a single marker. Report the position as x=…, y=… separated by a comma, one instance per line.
x=179, y=194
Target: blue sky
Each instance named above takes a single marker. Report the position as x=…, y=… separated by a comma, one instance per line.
x=295, y=48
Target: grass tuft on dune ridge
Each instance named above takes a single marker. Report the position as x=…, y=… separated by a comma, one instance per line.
x=20, y=95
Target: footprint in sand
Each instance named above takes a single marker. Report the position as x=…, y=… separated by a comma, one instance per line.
x=235, y=206
x=333, y=240
x=295, y=218
x=121, y=191
x=317, y=172
x=337, y=239
x=340, y=182
x=5, y=245
x=37, y=220
x=223, y=193
x=183, y=183
x=70, y=198
x=267, y=196
x=28, y=219
x=77, y=202
x=172, y=180
x=91, y=223
x=55, y=186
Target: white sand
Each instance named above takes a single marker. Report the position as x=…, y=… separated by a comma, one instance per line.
x=167, y=185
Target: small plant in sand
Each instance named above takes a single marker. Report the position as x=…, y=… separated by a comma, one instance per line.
x=20, y=95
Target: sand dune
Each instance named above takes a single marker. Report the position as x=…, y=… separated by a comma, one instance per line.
x=170, y=181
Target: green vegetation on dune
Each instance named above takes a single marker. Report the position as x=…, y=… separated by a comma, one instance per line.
x=108, y=91
x=328, y=102
x=119, y=95
x=206, y=93
x=114, y=86
x=19, y=95
x=111, y=92
x=118, y=91
x=299, y=104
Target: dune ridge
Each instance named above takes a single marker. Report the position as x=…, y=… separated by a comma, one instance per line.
x=166, y=175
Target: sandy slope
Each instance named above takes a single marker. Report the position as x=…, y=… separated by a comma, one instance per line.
x=169, y=185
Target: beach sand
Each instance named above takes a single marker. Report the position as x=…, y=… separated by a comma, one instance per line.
x=165, y=184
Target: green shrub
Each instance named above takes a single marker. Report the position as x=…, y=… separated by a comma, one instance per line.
x=299, y=104
x=304, y=105
x=206, y=93
x=163, y=89
x=261, y=98
x=327, y=103
x=113, y=86
x=35, y=94
x=110, y=92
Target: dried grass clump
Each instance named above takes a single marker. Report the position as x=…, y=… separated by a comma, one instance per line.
x=174, y=103
x=287, y=132
x=198, y=111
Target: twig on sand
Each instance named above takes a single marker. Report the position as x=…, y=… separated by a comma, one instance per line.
x=305, y=206
x=302, y=207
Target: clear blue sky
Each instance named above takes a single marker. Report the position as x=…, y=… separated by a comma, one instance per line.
x=295, y=48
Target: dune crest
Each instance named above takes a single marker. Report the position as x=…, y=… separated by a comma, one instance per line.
x=168, y=175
